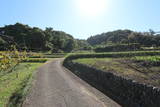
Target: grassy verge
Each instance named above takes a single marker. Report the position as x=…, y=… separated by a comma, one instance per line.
x=13, y=85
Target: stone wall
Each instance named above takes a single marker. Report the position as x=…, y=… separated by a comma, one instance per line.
x=126, y=92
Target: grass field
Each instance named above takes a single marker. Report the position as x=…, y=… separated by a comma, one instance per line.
x=128, y=68
x=12, y=84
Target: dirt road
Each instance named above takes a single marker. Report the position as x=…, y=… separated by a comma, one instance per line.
x=54, y=86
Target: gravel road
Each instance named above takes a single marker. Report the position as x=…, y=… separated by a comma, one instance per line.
x=55, y=86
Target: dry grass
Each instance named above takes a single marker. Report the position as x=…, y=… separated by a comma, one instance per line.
x=126, y=68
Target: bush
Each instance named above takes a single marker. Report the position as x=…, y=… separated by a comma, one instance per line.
x=42, y=60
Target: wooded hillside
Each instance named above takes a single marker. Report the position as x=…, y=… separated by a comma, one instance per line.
x=126, y=37
x=36, y=39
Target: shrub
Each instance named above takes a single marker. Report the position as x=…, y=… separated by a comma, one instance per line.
x=35, y=60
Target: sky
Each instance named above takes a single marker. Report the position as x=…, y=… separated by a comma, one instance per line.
x=83, y=18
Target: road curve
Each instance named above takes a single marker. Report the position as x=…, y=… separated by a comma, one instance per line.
x=55, y=86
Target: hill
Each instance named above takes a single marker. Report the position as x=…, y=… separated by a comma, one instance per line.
x=36, y=39
x=125, y=37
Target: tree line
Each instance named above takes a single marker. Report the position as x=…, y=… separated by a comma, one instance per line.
x=29, y=38
x=147, y=39
x=36, y=39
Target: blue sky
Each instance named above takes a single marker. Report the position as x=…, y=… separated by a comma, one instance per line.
x=63, y=15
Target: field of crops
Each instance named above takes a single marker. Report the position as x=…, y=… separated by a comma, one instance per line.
x=147, y=58
x=46, y=55
x=143, y=68
x=9, y=59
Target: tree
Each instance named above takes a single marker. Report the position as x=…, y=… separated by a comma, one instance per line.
x=37, y=39
x=152, y=32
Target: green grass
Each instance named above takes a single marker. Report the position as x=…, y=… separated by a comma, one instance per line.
x=40, y=60
x=12, y=84
x=84, y=51
x=147, y=58
x=72, y=56
x=56, y=55
x=91, y=61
